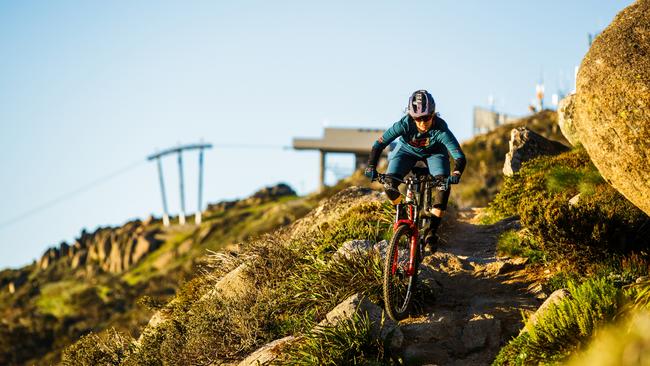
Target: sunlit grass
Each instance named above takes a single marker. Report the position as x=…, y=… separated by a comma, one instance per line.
x=57, y=298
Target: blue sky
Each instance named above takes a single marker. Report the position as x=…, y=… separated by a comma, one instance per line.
x=88, y=88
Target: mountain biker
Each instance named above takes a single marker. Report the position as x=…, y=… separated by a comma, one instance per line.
x=424, y=136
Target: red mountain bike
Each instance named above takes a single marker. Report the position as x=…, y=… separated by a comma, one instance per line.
x=406, y=248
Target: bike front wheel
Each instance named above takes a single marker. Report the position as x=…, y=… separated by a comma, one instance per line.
x=398, y=285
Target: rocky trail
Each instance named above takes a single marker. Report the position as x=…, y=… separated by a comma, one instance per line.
x=468, y=302
x=478, y=298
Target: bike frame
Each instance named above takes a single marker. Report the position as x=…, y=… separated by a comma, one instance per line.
x=399, y=277
x=415, y=235
x=411, y=223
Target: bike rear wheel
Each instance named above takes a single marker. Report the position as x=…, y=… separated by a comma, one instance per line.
x=398, y=285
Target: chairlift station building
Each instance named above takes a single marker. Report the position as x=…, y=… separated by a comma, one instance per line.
x=357, y=141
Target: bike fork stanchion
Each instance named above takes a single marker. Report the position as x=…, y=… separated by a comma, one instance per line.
x=395, y=261
x=412, y=259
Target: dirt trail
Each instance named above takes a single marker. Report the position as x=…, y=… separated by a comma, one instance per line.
x=478, y=298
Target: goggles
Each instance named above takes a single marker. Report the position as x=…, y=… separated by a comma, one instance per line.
x=423, y=118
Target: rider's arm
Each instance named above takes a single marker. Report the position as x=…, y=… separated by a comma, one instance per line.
x=389, y=136
x=452, y=145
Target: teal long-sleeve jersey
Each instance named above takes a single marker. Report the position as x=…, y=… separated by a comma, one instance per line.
x=437, y=140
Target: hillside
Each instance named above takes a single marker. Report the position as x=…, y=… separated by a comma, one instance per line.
x=283, y=284
x=96, y=282
x=486, y=153
x=145, y=294
x=265, y=302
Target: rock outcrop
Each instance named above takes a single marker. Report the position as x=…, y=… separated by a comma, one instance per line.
x=612, y=107
x=267, y=353
x=525, y=145
x=381, y=326
x=556, y=297
x=361, y=247
x=265, y=194
x=273, y=192
x=109, y=249
x=566, y=111
x=235, y=284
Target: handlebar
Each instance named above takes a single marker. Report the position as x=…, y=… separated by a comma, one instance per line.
x=381, y=178
x=437, y=180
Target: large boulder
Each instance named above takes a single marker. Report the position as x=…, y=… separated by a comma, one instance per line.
x=612, y=107
x=525, y=145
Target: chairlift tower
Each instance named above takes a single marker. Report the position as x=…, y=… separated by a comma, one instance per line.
x=179, y=150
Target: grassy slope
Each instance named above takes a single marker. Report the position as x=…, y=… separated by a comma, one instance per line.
x=58, y=305
x=292, y=282
x=596, y=248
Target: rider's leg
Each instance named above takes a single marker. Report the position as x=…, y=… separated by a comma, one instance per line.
x=438, y=166
x=400, y=163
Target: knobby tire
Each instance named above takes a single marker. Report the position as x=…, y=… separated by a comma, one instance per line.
x=398, y=286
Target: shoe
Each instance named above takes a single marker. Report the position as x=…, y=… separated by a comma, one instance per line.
x=431, y=241
x=393, y=194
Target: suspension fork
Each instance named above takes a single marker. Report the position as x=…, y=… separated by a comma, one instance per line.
x=413, y=253
x=413, y=247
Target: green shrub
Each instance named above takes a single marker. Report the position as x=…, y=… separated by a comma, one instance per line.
x=106, y=348
x=621, y=269
x=565, y=179
x=560, y=280
x=626, y=341
x=513, y=243
x=490, y=217
x=639, y=292
x=589, y=181
x=317, y=286
x=347, y=343
x=371, y=221
x=602, y=222
x=530, y=185
x=562, y=178
x=566, y=327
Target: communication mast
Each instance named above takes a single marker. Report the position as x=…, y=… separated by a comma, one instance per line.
x=539, y=94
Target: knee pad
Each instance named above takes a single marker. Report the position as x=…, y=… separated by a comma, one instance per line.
x=392, y=191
